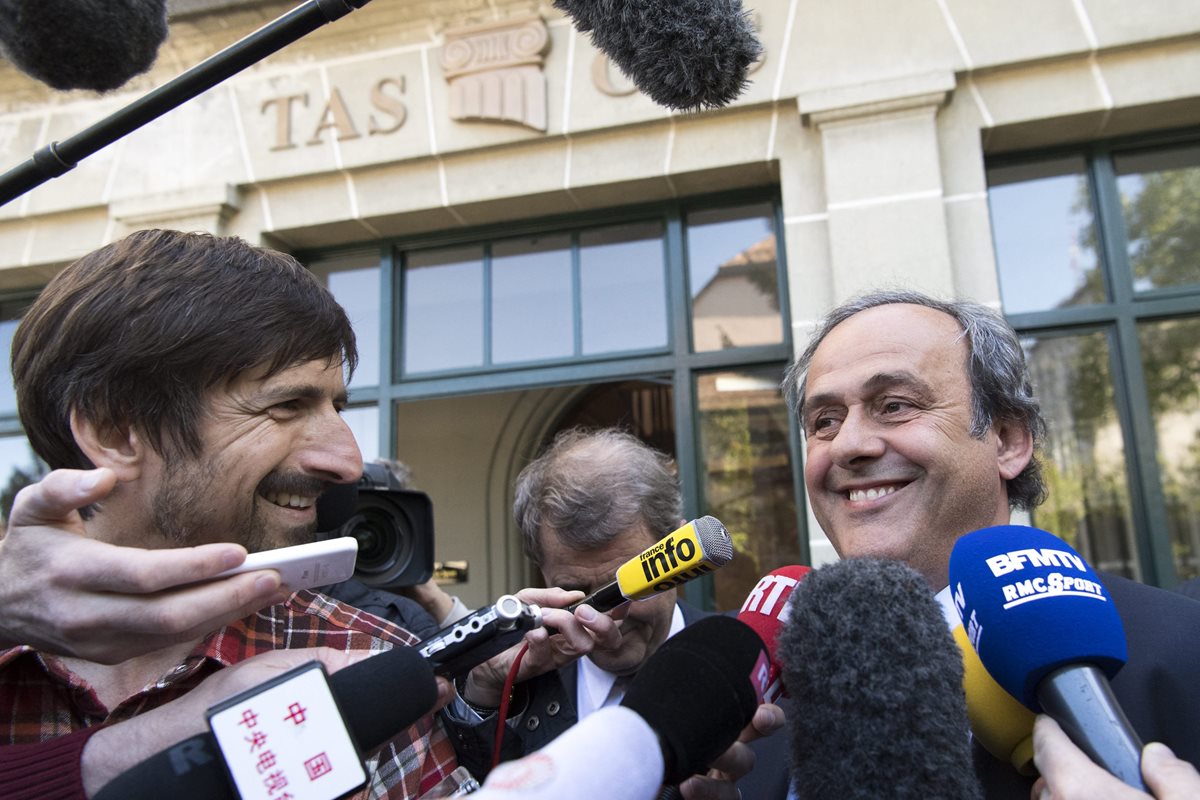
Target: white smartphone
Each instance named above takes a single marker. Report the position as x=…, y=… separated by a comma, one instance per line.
x=304, y=566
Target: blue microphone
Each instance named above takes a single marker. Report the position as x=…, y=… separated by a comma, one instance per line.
x=1047, y=630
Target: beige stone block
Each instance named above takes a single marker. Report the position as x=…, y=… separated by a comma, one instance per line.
x=960, y=126
x=801, y=166
x=86, y=184
x=643, y=154
x=19, y=139
x=877, y=157
x=1153, y=74
x=509, y=172
x=809, y=268
x=1115, y=22
x=1040, y=91
x=861, y=41
x=728, y=177
x=1031, y=134
x=770, y=18
x=598, y=95
x=901, y=244
x=969, y=232
x=398, y=188
x=278, y=113
x=311, y=201
x=1017, y=30
x=712, y=140
x=64, y=237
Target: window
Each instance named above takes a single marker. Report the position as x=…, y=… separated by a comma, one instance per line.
x=1098, y=252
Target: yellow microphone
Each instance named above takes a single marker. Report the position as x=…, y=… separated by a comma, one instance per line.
x=696, y=549
x=998, y=720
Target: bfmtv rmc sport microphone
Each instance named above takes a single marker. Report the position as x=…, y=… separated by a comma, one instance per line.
x=1047, y=630
x=877, y=683
x=696, y=549
x=684, y=54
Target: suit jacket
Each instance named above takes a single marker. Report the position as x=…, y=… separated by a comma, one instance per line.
x=549, y=703
x=1158, y=688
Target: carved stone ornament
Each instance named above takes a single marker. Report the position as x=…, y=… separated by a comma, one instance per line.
x=495, y=71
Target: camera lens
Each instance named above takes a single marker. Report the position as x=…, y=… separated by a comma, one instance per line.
x=384, y=536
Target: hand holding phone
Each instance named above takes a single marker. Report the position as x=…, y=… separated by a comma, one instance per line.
x=304, y=566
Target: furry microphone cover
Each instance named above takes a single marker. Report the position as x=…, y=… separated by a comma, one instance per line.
x=877, y=682
x=684, y=54
x=82, y=44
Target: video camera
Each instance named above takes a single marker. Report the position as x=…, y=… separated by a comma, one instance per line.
x=393, y=526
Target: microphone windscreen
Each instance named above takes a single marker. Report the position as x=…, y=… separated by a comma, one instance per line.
x=684, y=54
x=82, y=44
x=765, y=611
x=698, y=690
x=1030, y=604
x=878, y=684
x=336, y=505
x=382, y=695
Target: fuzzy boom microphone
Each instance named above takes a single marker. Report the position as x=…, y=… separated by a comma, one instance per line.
x=878, y=679
x=684, y=54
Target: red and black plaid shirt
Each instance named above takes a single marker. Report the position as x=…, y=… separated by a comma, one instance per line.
x=43, y=699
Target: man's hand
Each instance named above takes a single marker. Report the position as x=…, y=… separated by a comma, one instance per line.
x=724, y=773
x=1068, y=773
x=67, y=594
x=564, y=638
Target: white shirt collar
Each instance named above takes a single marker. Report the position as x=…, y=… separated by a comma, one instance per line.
x=595, y=686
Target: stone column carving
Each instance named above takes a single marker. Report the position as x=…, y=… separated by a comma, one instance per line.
x=495, y=71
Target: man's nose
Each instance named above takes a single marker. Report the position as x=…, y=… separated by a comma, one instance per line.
x=331, y=450
x=857, y=438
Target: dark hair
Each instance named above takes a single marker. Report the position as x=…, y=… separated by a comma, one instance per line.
x=588, y=487
x=134, y=334
x=1000, y=385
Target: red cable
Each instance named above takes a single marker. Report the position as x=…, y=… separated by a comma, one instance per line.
x=502, y=712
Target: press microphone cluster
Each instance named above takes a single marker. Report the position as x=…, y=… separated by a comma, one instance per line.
x=696, y=549
x=1048, y=632
x=877, y=684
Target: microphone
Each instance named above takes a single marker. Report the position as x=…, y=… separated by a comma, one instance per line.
x=82, y=44
x=872, y=667
x=766, y=610
x=1000, y=724
x=1048, y=632
x=696, y=549
x=698, y=691
x=373, y=714
x=684, y=54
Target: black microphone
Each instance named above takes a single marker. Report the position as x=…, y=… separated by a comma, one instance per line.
x=877, y=681
x=378, y=697
x=699, y=690
x=684, y=54
x=82, y=44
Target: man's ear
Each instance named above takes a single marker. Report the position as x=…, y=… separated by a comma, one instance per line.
x=120, y=449
x=1014, y=448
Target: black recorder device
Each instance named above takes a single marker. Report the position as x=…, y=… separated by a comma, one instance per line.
x=393, y=526
x=460, y=646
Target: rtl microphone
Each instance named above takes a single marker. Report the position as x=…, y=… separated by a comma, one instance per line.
x=82, y=44
x=877, y=681
x=696, y=549
x=766, y=611
x=378, y=697
x=999, y=722
x=1047, y=630
x=684, y=54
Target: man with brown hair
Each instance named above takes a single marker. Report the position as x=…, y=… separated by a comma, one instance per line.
x=198, y=383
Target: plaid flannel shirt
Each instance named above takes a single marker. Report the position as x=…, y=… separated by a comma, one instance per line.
x=43, y=699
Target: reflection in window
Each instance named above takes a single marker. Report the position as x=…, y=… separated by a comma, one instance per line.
x=531, y=299
x=354, y=282
x=1160, y=201
x=364, y=424
x=1171, y=361
x=623, y=288
x=18, y=468
x=1045, y=235
x=443, y=309
x=734, y=278
x=747, y=468
x=1084, y=455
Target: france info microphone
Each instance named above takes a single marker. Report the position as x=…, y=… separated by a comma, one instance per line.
x=765, y=611
x=698, y=691
x=877, y=682
x=999, y=722
x=696, y=549
x=1048, y=632
x=378, y=697
x=684, y=54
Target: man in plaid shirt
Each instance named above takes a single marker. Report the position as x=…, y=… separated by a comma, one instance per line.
x=187, y=389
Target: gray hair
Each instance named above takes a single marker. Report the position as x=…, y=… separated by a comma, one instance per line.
x=1000, y=385
x=588, y=487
